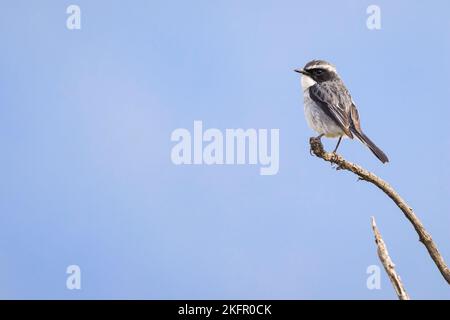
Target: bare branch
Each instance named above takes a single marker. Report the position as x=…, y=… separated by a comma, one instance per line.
x=424, y=236
x=389, y=266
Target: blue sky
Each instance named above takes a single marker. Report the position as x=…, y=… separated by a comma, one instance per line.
x=85, y=123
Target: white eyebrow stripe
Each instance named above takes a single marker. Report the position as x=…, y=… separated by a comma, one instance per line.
x=322, y=66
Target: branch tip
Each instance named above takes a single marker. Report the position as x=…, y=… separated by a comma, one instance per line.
x=318, y=150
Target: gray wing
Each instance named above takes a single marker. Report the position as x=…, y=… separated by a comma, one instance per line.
x=335, y=101
x=356, y=124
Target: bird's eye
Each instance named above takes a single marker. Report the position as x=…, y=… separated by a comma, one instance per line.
x=318, y=71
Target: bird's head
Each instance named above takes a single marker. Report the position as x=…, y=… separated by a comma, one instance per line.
x=319, y=71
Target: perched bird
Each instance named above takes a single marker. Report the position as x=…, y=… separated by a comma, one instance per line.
x=329, y=108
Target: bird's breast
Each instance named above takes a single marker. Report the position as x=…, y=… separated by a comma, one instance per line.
x=318, y=120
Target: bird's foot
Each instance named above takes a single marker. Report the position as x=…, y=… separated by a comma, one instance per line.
x=336, y=166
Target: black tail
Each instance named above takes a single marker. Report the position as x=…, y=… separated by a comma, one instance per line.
x=376, y=151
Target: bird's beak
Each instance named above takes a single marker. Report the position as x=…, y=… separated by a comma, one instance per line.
x=302, y=71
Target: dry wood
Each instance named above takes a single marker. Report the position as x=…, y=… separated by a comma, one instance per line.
x=363, y=174
x=389, y=266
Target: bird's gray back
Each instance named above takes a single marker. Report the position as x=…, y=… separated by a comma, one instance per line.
x=335, y=101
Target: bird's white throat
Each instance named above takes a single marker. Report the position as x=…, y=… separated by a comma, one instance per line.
x=307, y=82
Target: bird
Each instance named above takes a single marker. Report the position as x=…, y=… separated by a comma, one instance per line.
x=329, y=107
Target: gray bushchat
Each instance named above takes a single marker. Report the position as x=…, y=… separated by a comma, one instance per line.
x=329, y=108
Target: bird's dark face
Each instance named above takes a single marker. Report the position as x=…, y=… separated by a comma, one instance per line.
x=320, y=75
x=319, y=71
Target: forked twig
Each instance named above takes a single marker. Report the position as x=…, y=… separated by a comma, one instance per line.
x=363, y=174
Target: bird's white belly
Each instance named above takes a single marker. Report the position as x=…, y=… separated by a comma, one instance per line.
x=318, y=120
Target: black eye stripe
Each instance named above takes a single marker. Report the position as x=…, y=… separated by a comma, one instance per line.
x=316, y=71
